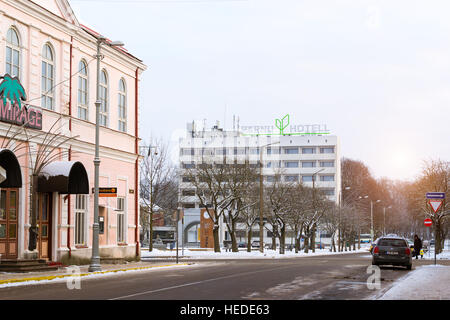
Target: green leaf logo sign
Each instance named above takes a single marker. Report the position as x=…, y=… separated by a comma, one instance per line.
x=282, y=124
x=11, y=89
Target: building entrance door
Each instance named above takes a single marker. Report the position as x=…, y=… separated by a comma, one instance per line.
x=8, y=223
x=44, y=222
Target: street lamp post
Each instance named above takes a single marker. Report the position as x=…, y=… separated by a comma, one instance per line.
x=371, y=215
x=95, y=259
x=371, y=218
x=314, y=207
x=150, y=214
x=178, y=219
x=261, y=186
x=384, y=218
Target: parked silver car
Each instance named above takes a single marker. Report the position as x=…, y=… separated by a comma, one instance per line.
x=392, y=250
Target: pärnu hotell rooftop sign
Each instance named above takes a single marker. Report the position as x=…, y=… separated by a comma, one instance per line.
x=283, y=127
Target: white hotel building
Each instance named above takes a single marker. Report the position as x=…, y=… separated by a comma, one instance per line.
x=297, y=157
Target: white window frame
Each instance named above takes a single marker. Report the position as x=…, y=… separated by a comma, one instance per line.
x=81, y=210
x=291, y=164
x=327, y=150
x=291, y=178
x=291, y=150
x=121, y=220
x=122, y=106
x=327, y=178
x=47, y=80
x=83, y=78
x=15, y=48
x=104, y=93
x=325, y=164
x=309, y=162
x=313, y=149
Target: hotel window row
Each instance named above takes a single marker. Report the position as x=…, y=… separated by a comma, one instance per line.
x=280, y=164
x=13, y=68
x=304, y=178
x=255, y=151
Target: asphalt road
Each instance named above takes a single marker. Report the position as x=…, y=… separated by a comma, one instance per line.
x=326, y=277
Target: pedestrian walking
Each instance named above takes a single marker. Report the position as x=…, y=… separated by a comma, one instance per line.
x=417, y=246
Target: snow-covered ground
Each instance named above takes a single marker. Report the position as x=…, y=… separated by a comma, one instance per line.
x=445, y=255
x=424, y=283
x=71, y=277
x=242, y=254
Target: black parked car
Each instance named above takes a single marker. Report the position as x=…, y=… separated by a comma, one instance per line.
x=392, y=250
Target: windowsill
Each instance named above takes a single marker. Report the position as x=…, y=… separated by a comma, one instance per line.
x=122, y=244
x=81, y=246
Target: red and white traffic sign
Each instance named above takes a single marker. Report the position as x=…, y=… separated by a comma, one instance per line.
x=428, y=222
x=435, y=204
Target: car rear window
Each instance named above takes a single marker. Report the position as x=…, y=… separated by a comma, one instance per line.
x=392, y=243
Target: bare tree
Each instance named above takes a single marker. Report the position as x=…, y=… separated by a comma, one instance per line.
x=208, y=181
x=158, y=185
x=239, y=178
x=330, y=222
x=435, y=177
x=299, y=205
x=50, y=146
x=250, y=214
x=277, y=204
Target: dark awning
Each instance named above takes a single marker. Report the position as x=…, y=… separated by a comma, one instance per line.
x=8, y=161
x=66, y=177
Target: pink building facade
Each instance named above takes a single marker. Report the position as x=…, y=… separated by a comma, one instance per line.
x=43, y=46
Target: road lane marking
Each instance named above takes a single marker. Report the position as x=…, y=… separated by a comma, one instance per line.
x=196, y=282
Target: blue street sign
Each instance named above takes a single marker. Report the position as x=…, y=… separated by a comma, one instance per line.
x=435, y=195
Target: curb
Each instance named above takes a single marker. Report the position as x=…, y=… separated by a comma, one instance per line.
x=44, y=278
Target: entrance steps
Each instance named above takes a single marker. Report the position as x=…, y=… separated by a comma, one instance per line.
x=27, y=265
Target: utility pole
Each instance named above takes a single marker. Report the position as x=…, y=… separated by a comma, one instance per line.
x=261, y=189
x=313, y=244
x=95, y=259
x=384, y=219
x=150, y=214
x=178, y=219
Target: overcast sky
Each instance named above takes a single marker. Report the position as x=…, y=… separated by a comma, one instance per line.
x=376, y=72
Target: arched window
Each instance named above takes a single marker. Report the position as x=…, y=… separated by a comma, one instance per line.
x=103, y=99
x=193, y=233
x=48, y=78
x=83, y=91
x=122, y=111
x=13, y=53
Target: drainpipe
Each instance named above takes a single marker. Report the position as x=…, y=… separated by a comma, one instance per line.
x=70, y=85
x=136, y=169
x=69, y=207
x=69, y=210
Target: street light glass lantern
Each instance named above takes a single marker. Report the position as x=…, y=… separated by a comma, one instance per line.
x=116, y=44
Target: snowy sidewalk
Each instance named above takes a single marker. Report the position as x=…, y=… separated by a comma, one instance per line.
x=430, y=282
x=29, y=278
x=242, y=254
